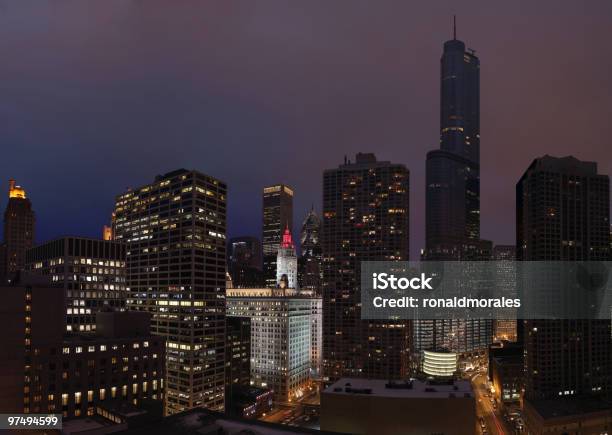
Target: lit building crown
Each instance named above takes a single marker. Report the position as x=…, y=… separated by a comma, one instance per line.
x=16, y=191
x=287, y=239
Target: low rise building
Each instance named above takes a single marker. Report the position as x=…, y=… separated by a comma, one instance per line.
x=506, y=378
x=380, y=407
x=46, y=371
x=567, y=415
x=248, y=402
x=91, y=271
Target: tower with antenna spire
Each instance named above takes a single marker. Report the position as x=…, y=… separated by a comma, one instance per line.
x=453, y=193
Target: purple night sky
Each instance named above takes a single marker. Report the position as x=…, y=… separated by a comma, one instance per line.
x=99, y=96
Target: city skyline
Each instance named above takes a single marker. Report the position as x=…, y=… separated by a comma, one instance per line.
x=222, y=208
x=253, y=110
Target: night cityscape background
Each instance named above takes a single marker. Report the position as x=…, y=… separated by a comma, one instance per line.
x=112, y=92
x=192, y=192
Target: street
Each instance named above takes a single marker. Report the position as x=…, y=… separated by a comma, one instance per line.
x=494, y=422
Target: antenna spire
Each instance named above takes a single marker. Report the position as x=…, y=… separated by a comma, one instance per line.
x=454, y=27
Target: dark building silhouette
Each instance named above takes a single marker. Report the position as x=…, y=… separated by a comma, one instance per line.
x=452, y=200
x=309, y=263
x=91, y=271
x=365, y=217
x=19, y=223
x=238, y=353
x=562, y=211
x=44, y=371
x=244, y=261
x=277, y=216
x=175, y=231
x=453, y=172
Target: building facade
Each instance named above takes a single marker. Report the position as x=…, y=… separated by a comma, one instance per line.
x=120, y=363
x=277, y=215
x=452, y=200
x=92, y=273
x=19, y=221
x=238, y=352
x=505, y=270
x=562, y=214
x=282, y=327
x=382, y=407
x=175, y=232
x=365, y=217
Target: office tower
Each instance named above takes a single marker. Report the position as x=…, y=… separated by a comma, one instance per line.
x=91, y=272
x=505, y=278
x=175, y=230
x=282, y=327
x=244, y=261
x=277, y=215
x=238, y=351
x=452, y=200
x=286, y=263
x=562, y=214
x=365, y=217
x=18, y=231
x=452, y=172
x=44, y=371
x=309, y=263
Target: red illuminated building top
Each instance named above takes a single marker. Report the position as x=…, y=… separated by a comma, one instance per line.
x=287, y=240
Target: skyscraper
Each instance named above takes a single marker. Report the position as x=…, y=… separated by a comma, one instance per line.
x=365, y=217
x=18, y=231
x=452, y=202
x=175, y=230
x=277, y=215
x=309, y=263
x=562, y=214
x=282, y=330
x=452, y=172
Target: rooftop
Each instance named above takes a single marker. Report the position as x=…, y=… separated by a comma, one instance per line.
x=413, y=388
x=200, y=421
x=570, y=406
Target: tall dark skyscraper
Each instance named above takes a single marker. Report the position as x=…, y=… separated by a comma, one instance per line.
x=562, y=210
x=452, y=172
x=18, y=231
x=365, y=217
x=175, y=231
x=277, y=216
x=453, y=194
x=309, y=263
